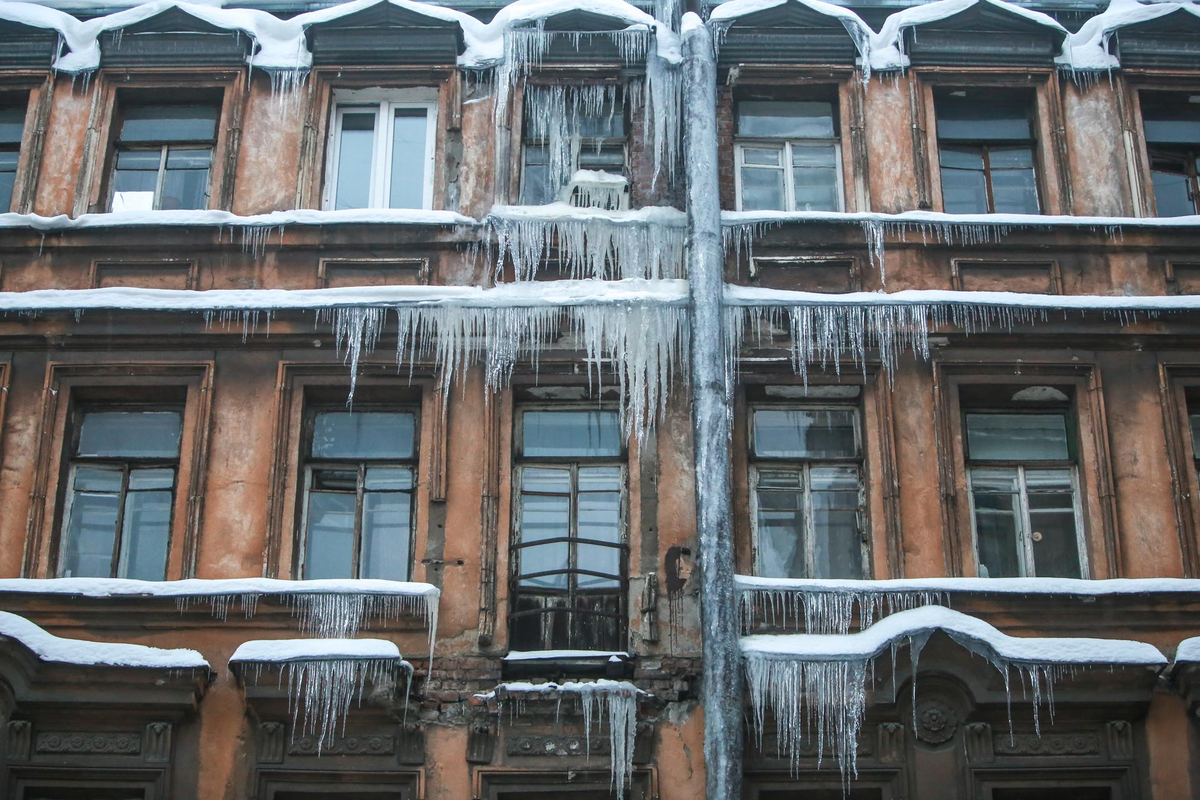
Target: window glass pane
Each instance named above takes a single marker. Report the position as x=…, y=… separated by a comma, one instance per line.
x=8, y=177
x=780, y=525
x=837, y=544
x=12, y=124
x=130, y=434
x=984, y=116
x=545, y=516
x=816, y=189
x=786, y=120
x=1017, y=437
x=382, y=479
x=535, y=177
x=408, y=159
x=805, y=433
x=92, y=526
x=964, y=186
x=329, y=551
x=1053, y=536
x=146, y=528
x=386, y=528
x=570, y=433
x=355, y=152
x=141, y=480
x=1010, y=157
x=608, y=158
x=762, y=156
x=762, y=189
x=997, y=506
x=608, y=124
x=363, y=434
x=1014, y=191
x=1170, y=119
x=185, y=184
x=599, y=520
x=1194, y=422
x=136, y=180
x=1172, y=193
x=169, y=124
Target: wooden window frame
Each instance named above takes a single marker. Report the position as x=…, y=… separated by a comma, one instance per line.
x=519, y=463
x=491, y=784
x=295, y=381
x=803, y=467
x=886, y=781
x=1046, y=114
x=384, y=102
x=880, y=524
x=1052, y=269
x=192, y=280
x=320, y=119
x=1026, y=561
x=1093, y=466
x=309, y=464
x=786, y=145
x=94, y=190
x=47, y=495
x=1137, y=149
x=1120, y=780
x=1174, y=381
x=420, y=266
x=410, y=785
x=39, y=90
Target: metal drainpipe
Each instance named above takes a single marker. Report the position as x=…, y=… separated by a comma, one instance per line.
x=722, y=682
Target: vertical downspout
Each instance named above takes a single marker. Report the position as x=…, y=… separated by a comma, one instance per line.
x=710, y=418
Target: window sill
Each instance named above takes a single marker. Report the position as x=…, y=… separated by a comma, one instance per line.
x=552, y=664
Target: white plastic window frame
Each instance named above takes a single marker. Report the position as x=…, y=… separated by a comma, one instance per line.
x=384, y=102
x=1025, y=534
x=789, y=179
x=803, y=467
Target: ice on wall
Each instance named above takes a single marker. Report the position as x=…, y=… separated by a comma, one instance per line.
x=588, y=243
x=815, y=685
x=324, y=678
x=599, y=701
x=828, y=612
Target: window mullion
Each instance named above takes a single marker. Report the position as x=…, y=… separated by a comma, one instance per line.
x=360, y=485
x=789, y=181
x=161, y=178
x=381, y=166
x=118, y=535
x=1029, y=568
x=987, y=179
x=808, y=527
x=572, y=556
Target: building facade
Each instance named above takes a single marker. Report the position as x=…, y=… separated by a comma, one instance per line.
x=347, y=426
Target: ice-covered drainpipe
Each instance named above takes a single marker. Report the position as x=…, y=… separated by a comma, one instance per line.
x=710, y=419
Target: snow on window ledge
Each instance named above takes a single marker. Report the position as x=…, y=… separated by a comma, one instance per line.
x=567, y=655
x=48, y=647
x=1188, y=651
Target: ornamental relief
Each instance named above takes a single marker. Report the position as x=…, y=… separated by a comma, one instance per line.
x=103, y=743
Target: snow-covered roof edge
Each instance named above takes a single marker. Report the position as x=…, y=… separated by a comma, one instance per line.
x=1188, y=651
x=275, y=651
x=932, y=220
x=48, y=647
x=198, y=587
x=1087, y=49
x=967, y=630
x=727, y=14
x=755, y=296
x=223, y=219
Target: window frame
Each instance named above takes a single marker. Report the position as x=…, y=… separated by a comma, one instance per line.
x=984, y=146
x=126, y=465
x=519, y=464
x=17, y=148
x=308, y=465
x=804, y=466
x=384, y=102
x=164, y=147
x=786, y=145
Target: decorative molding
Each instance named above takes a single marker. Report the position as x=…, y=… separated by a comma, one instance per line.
x=158, y=742
x=374, y=745
x=489, y=514
x=555, y=745
x=1030, y=744
x=95, y=743
x=891, y=743
x=979, y=742
x=936, y=722
x=20, y=732
x=1120, y=740
x=270, y=742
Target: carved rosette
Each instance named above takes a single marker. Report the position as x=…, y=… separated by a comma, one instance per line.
x=936, y=722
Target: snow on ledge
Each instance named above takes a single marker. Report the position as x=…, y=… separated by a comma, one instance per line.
x=547, y=655
x=225, y=219
x=48, y=647
x=1018, y=586
x=964, y=629
x=276, y=651
x=1188, y=651
x=931, y=219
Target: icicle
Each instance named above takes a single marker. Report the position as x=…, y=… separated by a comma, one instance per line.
x=595, y=246
x=322, y=690
x=828, y=611
x=597, y=700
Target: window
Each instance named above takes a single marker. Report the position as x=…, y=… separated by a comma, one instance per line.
x=1024, y=494
x=568, y=550
x=788, y=156
x=381, y=148
x=986, y=148
x=806, y=492
x=554, y=149
x=12, y=125
x=163, y=156
x=359, y=482
x=120, y=493
x=1172, y=126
